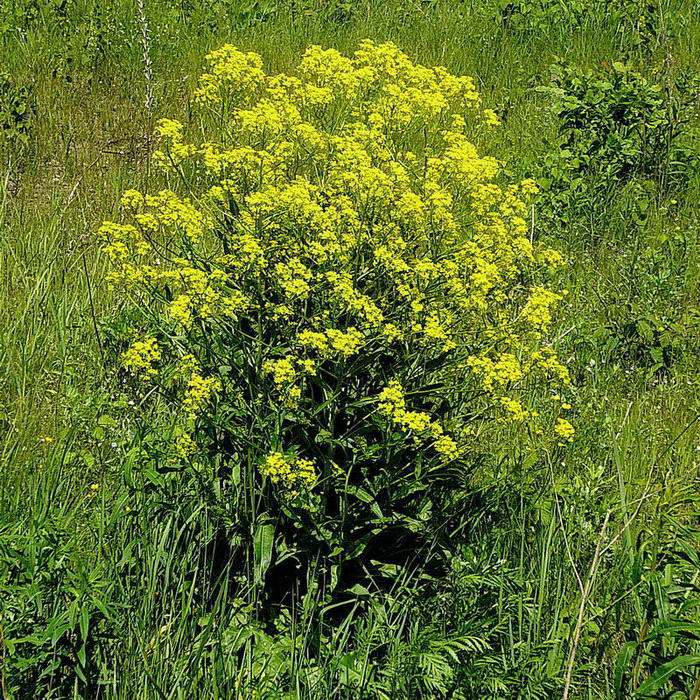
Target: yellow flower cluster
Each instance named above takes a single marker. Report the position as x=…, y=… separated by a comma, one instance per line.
x=514, y=409
x=546, y=361
x=200, y=294
x=361, y=305
x=283, y=371
x=293, y=277
x=332, y=342
x=285, y=375
x=231, y=69
x=392, y=403
x=499, y=372
x=183, y=447
x=170, y=132
x=199, y=392
x=564, y=430
x=293, y=473
x=140, y=357
x=538, y=310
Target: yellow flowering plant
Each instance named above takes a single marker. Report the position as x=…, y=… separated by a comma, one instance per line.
x=339, y=295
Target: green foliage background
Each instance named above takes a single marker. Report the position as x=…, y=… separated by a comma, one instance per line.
x=571, y=575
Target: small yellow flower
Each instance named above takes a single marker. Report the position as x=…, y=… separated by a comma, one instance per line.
x=141, y=357
x=564, y=429
x=199, y=392
x=292, y=473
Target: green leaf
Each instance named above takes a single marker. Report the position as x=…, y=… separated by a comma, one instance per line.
x=686, y=629
x=263, y=542
x=623, y=661
x=365, y=497
x=82, y=656
x=359, y=590
x=84, y=623
x=335, y=576
x=662, y=675
x=107, y=421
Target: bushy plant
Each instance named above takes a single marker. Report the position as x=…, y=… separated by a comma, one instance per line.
x=54, y=612
x=615, y=124
x=542, y=15
x=537, y=16
x=16, y=111
x=335, y=309
x=660, y=654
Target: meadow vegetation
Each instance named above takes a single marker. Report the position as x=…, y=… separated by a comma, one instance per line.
x=349, y=349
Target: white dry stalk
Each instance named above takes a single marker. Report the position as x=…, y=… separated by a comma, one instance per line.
x=582, y=607
x=146, y=53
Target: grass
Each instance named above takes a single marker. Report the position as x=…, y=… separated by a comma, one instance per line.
x=597, y=544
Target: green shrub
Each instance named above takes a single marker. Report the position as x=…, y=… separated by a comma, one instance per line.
x=54, y=611
x=660, y=653
x=16, y=112
x=336, y=316
x=548, y=16
x=614, y=125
